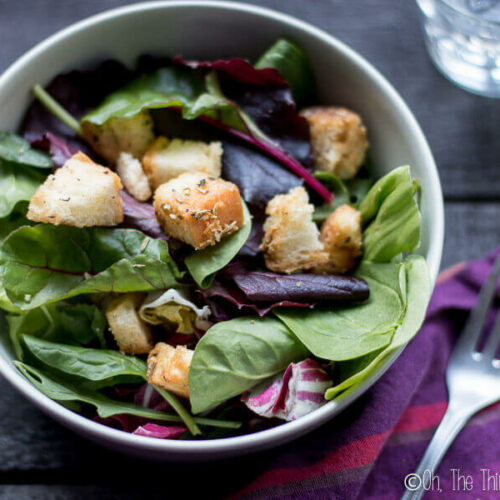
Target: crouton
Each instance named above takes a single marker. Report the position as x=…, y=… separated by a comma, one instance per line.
x=341, y=236
x=168, y=368
x=133, y=177
x=165, y=159
x=338, y=139
x=131, y=135
x=198, y=210
x=291, y=238
x=81, y=194
x=131, y=333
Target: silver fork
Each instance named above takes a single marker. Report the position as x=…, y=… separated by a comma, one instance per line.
x=473, y=380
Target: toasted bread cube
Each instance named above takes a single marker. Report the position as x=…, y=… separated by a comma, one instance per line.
x=133, y=177
x=131, y=135
x=291, y=238
x=198, y=210
x=338, y=139
x=168, y=368
x=131, y=333
x=165, y=159
x=341, y=236
x=81, y=194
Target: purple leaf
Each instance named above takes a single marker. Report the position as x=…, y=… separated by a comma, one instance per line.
x=231, y=295
x=159, y=431
x=140, y=216
x=258, y=286
x=258, y=176
x=292, y=394
x=60, y=150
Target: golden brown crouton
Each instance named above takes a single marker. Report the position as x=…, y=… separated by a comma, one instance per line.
x=341, y=236
x=165, y=159
x=80, y=194
x=131, y=333
x=338, y=139
x=198, y=210
x=168, y=368
x=131, y=135
x=291, y=238
x=133, y=177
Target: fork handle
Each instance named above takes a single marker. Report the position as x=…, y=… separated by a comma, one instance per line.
x=453, y=422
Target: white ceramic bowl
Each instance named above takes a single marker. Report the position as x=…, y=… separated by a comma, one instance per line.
x=208, y=30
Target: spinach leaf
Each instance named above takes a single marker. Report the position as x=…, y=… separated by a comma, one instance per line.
x=89, y=364
x=5, y=302
x=293, y=65
x=348, y=332
x=100, y=365
x=46, y=263
x=77, y=324
x=106, y=407
x=417, y=296
x=233, y=356
x=15, y=149
x=390, y=217
x=17, y=183
x=203, y=264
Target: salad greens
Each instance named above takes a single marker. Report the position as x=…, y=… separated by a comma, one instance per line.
x=293, y=65
x=65, y=261
x=78, y=324
x=235, y=355
x=203, y=264
x=56, y=282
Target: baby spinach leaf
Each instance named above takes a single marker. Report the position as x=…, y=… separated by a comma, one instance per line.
x=77, y=324
x=17, y=183
x=203, y=264
x=293, y=65
x=233, y=356
x=89, y=364
x=46, y=263
x=418, y=292
x=15, y=149
x=348, y=332
x=390, y=217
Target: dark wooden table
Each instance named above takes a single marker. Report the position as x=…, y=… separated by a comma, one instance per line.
x=39, y=458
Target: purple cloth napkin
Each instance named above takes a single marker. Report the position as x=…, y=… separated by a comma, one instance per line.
x=369, y=449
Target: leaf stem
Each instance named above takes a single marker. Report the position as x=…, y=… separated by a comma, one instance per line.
x=187, y=418
x=55, y=108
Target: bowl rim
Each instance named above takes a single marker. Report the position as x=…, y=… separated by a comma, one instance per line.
x=287, y=431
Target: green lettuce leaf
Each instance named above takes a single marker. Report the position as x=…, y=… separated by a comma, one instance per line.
x=203, y=264
x=234, y=356
x=17, y=183
x=417, y=295
x=390, y=217
x=77, y=324
x=46, y=263
x=15, y=149
x=14, y=220
x=351, y=331
x=293, y=65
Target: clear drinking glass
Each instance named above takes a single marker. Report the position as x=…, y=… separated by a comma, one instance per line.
x=463, y=39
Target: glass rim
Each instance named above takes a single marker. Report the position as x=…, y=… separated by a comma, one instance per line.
x=464, y=12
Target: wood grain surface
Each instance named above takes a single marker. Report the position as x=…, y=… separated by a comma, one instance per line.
x=42, y=460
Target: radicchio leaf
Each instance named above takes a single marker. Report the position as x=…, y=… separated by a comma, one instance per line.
x=292, y=394
x=159, y=431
